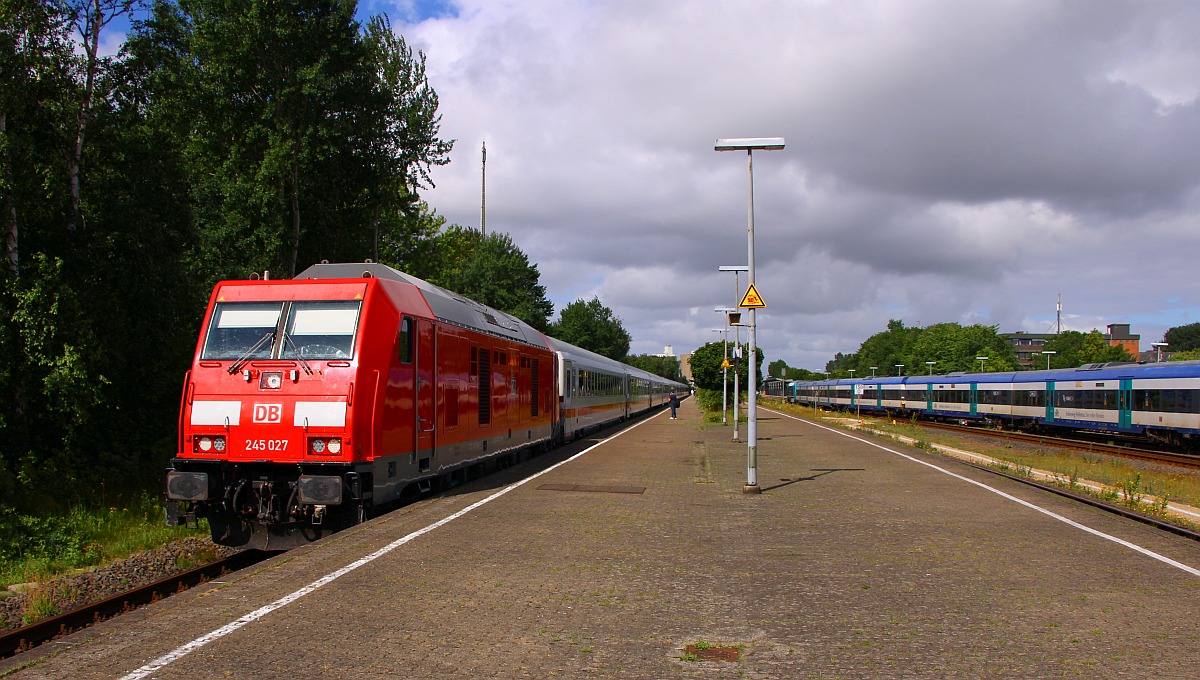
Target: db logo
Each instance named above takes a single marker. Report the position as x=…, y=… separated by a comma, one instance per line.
x=267, y=413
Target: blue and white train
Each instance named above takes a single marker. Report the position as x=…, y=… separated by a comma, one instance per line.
x=1160, y=401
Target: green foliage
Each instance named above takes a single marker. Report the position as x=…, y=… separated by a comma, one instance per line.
x=592, y=326
x=1188, y=355
x=491, y=269
x=226, y=137
x=706, y=367
x=38, y=546
x=49, y=383
x=952, y=346
x=1073, y=348
x=665, y=367
x=1183, y=338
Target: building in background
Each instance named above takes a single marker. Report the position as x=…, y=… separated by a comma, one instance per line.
x=1030, y=345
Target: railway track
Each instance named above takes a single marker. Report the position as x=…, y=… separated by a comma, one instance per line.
x=1168, y=457
x=30, y=636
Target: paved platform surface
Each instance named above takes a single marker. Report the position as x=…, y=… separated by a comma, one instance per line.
x=855, y=561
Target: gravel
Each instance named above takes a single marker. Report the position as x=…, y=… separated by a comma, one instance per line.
x=97, y=583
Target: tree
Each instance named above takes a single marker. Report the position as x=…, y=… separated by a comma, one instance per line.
x=89, y=18
x=951, y=346
x=36, y=54
x=592, y=326
x=778, y=369
x=493, y=270
x=663, y=367
x=405, y=144
x=1072, y=348
x=706, y=366
x=1183, y=338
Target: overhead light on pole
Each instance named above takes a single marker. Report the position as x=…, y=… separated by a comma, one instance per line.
x=749, y=145
x=1048, y=353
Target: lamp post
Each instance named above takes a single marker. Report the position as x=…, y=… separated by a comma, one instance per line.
x=1048, y=353
x=737, y=352
x=899, y=369
x=737, y=340
x=749, y=145
x=851, y=370
x=981, y=360
x=873, y=369
x=724, y=373
x=930, y=365
x=1158, y=346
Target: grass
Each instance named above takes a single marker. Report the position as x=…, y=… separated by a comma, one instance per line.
x=39, y=548
x=1130, y=479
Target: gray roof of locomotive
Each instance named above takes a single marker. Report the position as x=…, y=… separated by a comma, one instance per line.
x=446, y=305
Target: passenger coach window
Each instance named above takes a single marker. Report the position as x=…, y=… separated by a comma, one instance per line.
x=405, y=341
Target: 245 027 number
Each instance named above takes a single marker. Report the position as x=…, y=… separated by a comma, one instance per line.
x=266, y=444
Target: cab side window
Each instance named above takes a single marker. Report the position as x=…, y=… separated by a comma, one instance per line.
x=404, y=341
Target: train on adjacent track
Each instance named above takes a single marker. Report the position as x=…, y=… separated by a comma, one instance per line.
x=1158, y=401
x=313, y=401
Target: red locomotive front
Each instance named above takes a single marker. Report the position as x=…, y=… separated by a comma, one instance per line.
x=311, y=401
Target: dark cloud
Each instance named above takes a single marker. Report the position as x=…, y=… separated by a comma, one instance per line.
x=945, y=161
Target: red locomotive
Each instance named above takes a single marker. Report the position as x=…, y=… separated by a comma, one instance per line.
x=312, y=401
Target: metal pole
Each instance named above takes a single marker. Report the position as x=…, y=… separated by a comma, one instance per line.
x=725, y=374
x=737, y=343
x=749, y=144
x=752, y=387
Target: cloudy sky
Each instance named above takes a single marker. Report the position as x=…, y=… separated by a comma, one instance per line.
x=946, y=160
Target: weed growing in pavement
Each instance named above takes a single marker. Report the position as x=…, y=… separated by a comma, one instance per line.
x=40, y=606
x=1131, y=490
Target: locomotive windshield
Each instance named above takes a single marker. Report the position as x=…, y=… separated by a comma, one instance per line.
x=309, y=330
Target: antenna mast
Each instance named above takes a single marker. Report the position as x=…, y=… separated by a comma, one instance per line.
x=483, y=194
x=1058, y=322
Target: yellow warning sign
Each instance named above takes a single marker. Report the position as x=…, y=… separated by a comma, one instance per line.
x=726, y=364
x=752, y=298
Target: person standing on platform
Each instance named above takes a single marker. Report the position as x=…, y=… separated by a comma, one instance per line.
x=674, y=401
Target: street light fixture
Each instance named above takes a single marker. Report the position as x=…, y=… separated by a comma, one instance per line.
x=1048, y=353
x=851, y=370
x=981, y=360
x=749, y=145
x=873, y=369
x=899, y=369
x=930, y=365
x=1158, y=346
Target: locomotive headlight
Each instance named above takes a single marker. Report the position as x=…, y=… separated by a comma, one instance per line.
x=318, y=446
x=209, y=444
x=335, y=446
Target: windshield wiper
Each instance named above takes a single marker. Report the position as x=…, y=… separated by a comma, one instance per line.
x=241, y=361
x=287, y=340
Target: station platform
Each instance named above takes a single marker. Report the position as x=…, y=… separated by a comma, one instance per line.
x=641, y=557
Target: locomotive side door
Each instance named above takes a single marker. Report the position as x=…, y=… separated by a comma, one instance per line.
x=426, y=396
